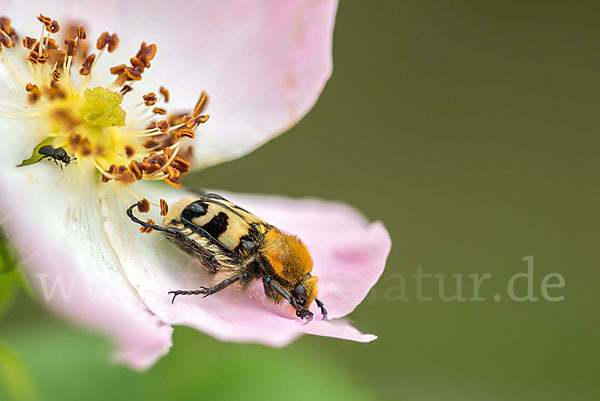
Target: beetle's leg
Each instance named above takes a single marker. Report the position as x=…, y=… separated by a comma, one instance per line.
x=321, y=306
x=206, y=291
x=301, y=311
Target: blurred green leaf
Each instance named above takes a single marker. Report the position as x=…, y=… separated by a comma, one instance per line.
x=10, y=276
x=8, y=258
x=8, y=263
x=197, y=367
x=16, y=382
x=7, y=292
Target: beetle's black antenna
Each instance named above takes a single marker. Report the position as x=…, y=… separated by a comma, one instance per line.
x=143, y=223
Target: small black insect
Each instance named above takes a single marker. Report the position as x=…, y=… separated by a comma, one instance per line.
x=56, y=154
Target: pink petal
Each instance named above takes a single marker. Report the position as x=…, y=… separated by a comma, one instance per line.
x=69, y=262
x=263, y=63
x=349, y=254
x=349, y=257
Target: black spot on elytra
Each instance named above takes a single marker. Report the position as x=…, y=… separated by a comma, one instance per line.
x=217, y=225
x=193, y=210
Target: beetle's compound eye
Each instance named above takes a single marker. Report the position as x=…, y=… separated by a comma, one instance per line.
x=300, y=293
x=193, y=210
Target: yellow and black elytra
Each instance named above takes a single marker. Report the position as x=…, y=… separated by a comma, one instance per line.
x=57, y=154
x=232, y=242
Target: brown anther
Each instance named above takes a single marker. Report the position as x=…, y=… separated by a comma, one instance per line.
x=118, y=69
x=146, y=53
x=193, y=122
x=5, y=39
x=124, y=175
x=172, y=172
x=201, y=105
x=163, y=125
x=34, y=92
x=4, y=23
x=86, y=147
x=102, y=41
x=180, y=164
x=86, y=66
x=133, y=74
x=165, y=92
x=112, y=170
x=54, y=27
x=186, y=132
x=159, y=110
x=45, y=20
x=175, y=182
x=54, y=91
x=81, y=34
x=105, y=39
x=143, y=206
x=8, y=35
x=129, y=151
x=74, y=140
x=35, y=58
x=145, y=166
x=136, y=170
x=71, y=47
x=188, y=121
x=125, y=89
x=113, y=42
x=164, y=208
x=150, y=143
x=150, y=99
x=147, y=230
x=56, y=74
x=28, y=42
x=137, y=64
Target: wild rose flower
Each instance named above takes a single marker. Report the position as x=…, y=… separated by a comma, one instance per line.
x=263, y=65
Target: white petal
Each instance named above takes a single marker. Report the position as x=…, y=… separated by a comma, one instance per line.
x=55, y=222
x=263, y=63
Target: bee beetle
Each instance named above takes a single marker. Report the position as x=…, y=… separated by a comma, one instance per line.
x=231, y=241
x=52, y=153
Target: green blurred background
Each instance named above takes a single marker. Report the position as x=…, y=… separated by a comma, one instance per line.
x=471, y=130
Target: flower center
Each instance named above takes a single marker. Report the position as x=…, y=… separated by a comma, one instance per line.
x=88, y=120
